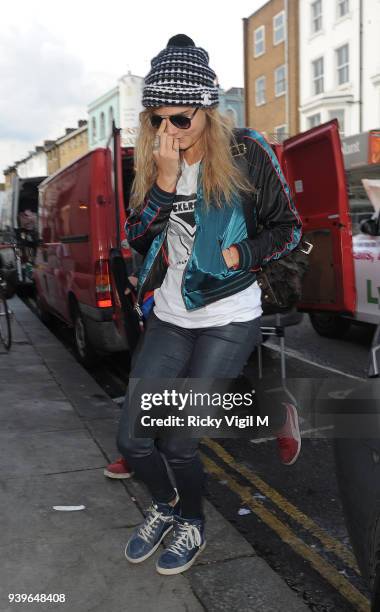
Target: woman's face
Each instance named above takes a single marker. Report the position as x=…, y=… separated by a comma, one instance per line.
x=187, y=137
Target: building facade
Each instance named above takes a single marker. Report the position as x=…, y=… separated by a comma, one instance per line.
x=51, y=156
x=67, y=148
x=121, y=104
x=231, y=103
x=271, y=69
x=370, y=118
x=340, y=64
x=35, y=164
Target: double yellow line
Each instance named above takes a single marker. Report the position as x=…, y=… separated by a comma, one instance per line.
x=323, y=567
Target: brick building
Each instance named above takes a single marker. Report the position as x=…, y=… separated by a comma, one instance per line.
x=67, y=148
x=271, y=69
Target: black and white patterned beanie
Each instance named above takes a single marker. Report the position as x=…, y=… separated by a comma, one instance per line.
x=180, y=76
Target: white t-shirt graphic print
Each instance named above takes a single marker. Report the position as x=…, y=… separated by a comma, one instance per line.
x=169, y=304
x=181, y=230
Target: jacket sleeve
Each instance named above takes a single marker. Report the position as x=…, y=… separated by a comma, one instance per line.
x=281, y=226
x=142, y=226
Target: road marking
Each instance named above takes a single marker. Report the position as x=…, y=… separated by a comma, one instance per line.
x=330, y=543
x=304, y=432
x=296, y=355
x=315, y=430
x=327, y=571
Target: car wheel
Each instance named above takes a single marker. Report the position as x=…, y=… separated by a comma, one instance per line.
x=86, y=353
x=329, y=325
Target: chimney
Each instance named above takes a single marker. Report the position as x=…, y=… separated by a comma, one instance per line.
x=82, y=123
x=69, y=130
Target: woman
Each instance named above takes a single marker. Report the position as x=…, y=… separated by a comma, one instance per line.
x=186, y=218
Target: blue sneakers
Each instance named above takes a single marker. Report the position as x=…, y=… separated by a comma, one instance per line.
x=188, y=542
x=147, y=537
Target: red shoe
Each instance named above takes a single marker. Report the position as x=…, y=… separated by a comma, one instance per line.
x=118, y=469
x=289, y=437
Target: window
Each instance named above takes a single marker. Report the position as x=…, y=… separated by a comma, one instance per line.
x=260, y=86
x=280, y=132
x=316, y=16
x=342, y=64
x=279, y=28
x=338, y=113
x=111, y=116
x=343, y=8
x=102, y=126
x=317, y=72
x=280, y=81
x=259, y=41
x=93, y=129
x=314, y=120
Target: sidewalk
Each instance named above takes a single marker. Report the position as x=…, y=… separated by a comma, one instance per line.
x=57, y=431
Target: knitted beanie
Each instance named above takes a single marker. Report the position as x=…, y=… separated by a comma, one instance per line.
x=180, y=76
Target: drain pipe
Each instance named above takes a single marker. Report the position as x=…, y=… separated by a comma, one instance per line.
x=361, y=66
x=287, y=97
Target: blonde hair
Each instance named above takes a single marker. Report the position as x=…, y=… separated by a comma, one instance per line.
x=221, y=178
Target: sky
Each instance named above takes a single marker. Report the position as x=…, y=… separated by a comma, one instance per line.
x=57, y=57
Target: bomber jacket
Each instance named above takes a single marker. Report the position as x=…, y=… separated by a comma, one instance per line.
x=206, y=277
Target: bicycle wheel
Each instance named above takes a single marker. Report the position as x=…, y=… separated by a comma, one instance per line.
x=5, y=324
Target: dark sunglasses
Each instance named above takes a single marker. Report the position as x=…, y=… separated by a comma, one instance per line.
x=179, y=121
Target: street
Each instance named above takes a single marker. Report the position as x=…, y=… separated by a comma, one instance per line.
x=292, y=516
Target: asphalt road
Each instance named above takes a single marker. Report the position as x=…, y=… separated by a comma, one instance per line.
x=349, y=354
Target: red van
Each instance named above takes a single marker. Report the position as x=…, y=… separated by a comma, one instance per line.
x=81, y=263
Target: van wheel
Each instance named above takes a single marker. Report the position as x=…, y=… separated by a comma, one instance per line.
x=86, y=353
x=329, y=325
x=43, y=314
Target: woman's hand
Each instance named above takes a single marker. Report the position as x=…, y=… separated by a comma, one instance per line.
x=167, y=159
x=231, y=257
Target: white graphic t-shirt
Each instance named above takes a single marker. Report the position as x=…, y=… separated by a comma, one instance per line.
x=169, y=305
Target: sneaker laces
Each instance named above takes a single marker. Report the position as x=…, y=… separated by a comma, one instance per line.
x=185, y=536
x=146, y=531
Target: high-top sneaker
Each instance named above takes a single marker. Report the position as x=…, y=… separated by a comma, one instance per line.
x=147, y=537
x=188, y=542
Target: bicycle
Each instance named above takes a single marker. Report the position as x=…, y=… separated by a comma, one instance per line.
x=5, y=316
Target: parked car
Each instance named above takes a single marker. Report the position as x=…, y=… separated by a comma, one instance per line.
x=18, y=231
x=82, y=263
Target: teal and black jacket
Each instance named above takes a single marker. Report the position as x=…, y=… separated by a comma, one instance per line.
x=206, y=277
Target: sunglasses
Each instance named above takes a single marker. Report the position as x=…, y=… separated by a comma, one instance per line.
x=179, y=121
